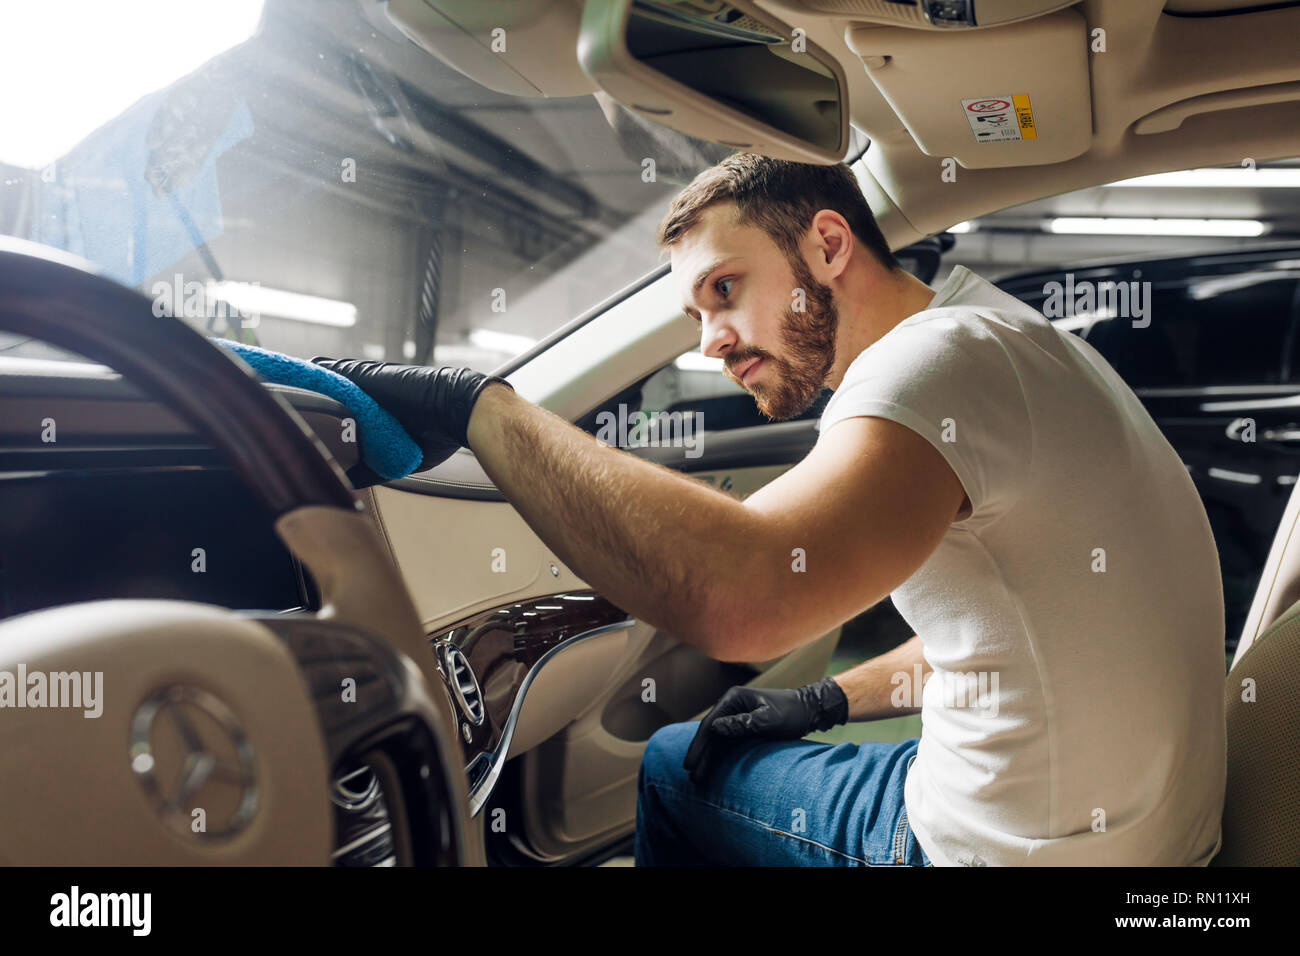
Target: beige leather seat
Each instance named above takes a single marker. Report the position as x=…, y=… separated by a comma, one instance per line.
x=1261, y=814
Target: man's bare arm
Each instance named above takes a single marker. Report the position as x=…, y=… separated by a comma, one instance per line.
x=869, y=685
x=656, y=543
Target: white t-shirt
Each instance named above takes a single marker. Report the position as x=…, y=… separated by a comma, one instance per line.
x=1081, y=599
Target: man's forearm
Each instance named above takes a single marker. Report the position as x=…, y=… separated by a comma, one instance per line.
x=659, y=545
x=872, y=685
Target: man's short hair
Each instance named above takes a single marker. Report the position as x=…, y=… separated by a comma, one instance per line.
x=780, y=197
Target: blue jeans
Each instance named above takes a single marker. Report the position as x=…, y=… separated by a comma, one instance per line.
x=775, y=803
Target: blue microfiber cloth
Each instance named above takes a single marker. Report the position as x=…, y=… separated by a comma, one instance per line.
x=386, y=448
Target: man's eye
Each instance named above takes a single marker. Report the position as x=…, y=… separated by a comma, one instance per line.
x=721, y=291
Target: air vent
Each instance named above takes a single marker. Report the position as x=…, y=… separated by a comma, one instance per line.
x=355, y=790
x=461, y=677
x=362, y=827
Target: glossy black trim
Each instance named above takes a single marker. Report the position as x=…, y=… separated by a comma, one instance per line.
x=1229, y=12
x=780, y=443
x=505, y=648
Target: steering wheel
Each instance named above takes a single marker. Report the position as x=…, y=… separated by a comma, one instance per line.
x=219, y=732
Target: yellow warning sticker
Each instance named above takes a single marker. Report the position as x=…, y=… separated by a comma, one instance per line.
x=1025, y=116
x=1000, y=119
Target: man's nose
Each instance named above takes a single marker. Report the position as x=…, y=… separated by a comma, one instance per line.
x=716, y=338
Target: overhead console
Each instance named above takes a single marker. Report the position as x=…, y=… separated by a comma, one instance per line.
x=934, y=14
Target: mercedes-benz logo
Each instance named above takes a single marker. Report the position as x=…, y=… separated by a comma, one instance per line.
x=190, y=754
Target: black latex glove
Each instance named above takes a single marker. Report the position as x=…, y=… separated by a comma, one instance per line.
x=433, y=403
x=745, y=713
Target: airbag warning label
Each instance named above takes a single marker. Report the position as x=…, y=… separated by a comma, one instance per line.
x=1000, y=119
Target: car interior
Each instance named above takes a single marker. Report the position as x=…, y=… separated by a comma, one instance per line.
x=189, y=531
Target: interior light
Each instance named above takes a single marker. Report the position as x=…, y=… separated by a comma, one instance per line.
x=1156, y=227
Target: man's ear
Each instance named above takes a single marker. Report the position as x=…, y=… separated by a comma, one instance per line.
x=834, y=242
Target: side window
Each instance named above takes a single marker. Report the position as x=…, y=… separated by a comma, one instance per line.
x=694, y=386
x=696, y=383
x=1243, y=330
x=1154, y=355
x=1235, y=329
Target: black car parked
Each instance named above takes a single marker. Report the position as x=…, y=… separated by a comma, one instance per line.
x=1210, y=345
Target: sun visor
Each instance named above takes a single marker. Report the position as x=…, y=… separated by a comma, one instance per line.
x=1015, y=95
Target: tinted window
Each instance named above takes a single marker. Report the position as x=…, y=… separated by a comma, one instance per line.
x=1208, y=330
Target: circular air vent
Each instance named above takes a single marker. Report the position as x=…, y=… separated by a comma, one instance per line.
x=465, y=685
x=355, y=789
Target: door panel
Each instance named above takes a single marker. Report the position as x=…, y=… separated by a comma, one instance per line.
x=585, y=715
x=577, y=791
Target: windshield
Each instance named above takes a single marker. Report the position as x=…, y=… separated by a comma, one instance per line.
x=300, y=175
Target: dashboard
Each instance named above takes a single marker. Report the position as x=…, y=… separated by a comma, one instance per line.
x=181, y=532
x=109, y=495
x=106, y=494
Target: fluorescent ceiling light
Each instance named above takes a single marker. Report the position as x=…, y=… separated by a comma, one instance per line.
x=1231, y=177
x=494, y=341
x=67, y=68
x=698, y=362
x=258, y=300
x=967, y=226
x=1156, y=227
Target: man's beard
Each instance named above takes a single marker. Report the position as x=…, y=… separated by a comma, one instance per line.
x=794, y=382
